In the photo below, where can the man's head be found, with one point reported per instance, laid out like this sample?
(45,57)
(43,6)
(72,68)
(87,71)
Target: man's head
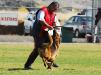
(53,7)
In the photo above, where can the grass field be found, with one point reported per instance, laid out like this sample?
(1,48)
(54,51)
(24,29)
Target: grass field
(73,59)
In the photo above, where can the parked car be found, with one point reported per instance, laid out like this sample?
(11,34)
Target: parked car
(81,24)
(87,12)
(28,23)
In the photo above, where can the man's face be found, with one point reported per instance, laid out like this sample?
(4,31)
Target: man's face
(54,8)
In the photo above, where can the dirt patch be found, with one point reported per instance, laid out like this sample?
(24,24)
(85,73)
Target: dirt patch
(15,38)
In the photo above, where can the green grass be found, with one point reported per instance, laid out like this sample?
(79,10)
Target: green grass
(73,59)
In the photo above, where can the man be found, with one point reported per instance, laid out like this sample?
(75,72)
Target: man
(98,16)
(45,18)
(97,25)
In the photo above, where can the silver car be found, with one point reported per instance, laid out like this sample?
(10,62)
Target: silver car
(81,24)
(28,23)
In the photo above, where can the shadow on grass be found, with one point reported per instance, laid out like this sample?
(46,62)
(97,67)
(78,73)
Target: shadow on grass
(15,69)
(68,69)
(1,73)
(1,68)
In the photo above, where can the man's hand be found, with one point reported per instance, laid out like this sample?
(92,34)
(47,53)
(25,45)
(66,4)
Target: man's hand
(50,27)
(46,24)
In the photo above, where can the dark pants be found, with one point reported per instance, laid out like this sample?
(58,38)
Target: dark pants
(32,57)
(38,42)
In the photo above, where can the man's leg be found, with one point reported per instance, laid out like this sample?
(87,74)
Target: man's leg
(34,53)
(31,58)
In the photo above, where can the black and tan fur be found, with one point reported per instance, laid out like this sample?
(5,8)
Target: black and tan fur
(49,51)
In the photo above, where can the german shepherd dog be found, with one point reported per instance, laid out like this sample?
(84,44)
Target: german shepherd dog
(49,51)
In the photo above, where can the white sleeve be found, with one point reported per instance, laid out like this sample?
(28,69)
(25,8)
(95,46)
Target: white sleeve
(57,21)
(58,24)
(41,15)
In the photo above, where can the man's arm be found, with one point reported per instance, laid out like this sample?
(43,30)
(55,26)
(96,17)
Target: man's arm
(46,24)
(40,18)
(57,23)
